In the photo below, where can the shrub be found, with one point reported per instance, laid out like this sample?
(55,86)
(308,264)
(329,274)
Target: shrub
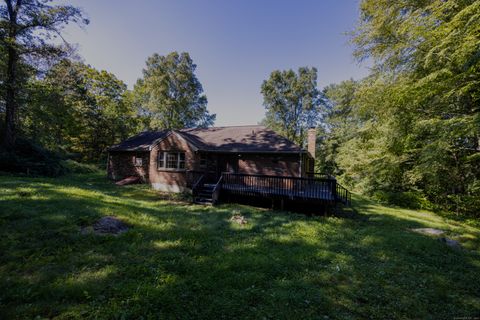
(406,199)
(462,204)
(28,158)
(77,167)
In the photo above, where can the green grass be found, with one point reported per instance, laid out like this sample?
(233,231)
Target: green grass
(189,261)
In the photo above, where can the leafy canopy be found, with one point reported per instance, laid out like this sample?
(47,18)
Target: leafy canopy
(29,33)
(417,116)
(171,94)
(29,26)
(78,109)
(293,102)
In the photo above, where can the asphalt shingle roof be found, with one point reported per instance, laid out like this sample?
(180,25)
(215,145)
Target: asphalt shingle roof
(239,139)
(256,139)
(140,142)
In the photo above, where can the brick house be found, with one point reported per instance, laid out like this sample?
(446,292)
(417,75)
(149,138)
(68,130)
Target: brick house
(171,160)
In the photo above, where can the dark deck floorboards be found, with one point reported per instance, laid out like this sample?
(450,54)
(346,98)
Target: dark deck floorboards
(307,193)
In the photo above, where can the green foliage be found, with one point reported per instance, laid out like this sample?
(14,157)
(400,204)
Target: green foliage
(3,70)
(293,103)
(67,108)
(416,118)
(170,94)
(407,199)
(31,159)
(28,30)
(78,167)
(340,124)
(78,109)
(188,261)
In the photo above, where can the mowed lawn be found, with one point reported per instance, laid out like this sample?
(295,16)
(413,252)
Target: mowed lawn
(183,261)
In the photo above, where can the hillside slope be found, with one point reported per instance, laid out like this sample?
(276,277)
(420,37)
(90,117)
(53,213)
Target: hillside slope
(187,261)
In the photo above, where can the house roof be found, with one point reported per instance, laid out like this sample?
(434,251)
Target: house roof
(140,142)
(239,139)
(254,139)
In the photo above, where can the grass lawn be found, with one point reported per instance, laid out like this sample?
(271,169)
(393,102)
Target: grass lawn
(189,261)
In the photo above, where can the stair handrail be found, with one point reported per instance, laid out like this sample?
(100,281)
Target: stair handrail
(196,184)
(193,176)
(343,194)
(216,190)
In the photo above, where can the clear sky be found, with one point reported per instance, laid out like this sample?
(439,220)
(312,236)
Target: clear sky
(235,43)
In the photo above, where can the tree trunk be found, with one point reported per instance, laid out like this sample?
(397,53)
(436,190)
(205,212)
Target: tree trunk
(11,81)
(11,99)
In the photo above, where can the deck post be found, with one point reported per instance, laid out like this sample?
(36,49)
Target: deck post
(301,164)
(282,204)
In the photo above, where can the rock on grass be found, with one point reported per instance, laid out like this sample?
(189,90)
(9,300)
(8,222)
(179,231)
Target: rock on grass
(107,225)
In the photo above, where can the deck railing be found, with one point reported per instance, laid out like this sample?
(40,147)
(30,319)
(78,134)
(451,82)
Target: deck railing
(342,194)
(196,185)
(216,190)
(281,187)
(284,187)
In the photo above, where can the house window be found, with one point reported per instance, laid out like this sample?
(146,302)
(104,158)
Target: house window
(181,160)
(161,160)
(171,160)
(203,160)
(138,162)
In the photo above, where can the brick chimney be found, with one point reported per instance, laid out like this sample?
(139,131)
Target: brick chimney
(311,140)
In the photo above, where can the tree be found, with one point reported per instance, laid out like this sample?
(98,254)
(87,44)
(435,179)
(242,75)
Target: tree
(2,85)
(171,95)
(26,28)
(421,104)
(292,102)
(78,109)
(340,124)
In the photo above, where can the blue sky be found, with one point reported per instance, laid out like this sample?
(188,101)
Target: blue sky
(236,44)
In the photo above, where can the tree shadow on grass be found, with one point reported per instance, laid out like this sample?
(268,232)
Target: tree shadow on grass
(185,261)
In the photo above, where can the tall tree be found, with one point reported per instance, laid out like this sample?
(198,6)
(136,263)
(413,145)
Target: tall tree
(171,94)
(422,101)
(26,28)
(340,124)
(2,85)
(76,108)
(292,102)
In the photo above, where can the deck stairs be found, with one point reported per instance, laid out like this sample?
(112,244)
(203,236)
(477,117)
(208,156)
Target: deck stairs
(205,194)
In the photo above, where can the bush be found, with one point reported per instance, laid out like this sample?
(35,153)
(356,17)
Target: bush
(406,199)
(77,167)
(28,158)
(462,204)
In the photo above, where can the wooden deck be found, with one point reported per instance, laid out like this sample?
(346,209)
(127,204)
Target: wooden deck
(309,193)
(276,186)
(308,190)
